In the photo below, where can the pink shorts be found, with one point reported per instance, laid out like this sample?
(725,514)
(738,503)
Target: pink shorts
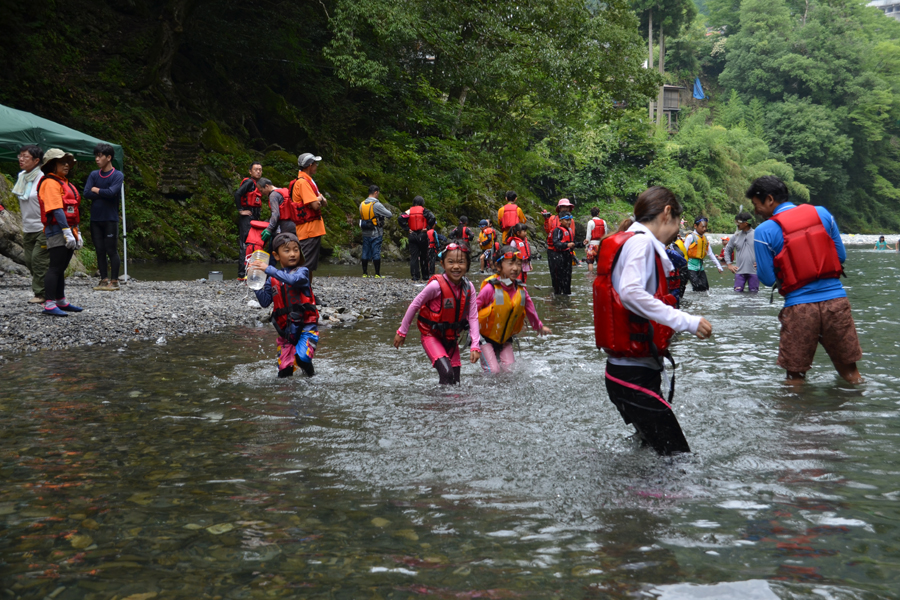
(493,361)
(436,348)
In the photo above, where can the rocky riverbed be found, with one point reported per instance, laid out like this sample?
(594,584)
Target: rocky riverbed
(157,311)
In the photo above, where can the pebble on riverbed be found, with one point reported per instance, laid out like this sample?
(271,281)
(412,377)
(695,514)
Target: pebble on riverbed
(161,310)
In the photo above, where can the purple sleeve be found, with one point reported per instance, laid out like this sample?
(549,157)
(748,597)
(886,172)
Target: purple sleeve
(474,332)
(87,187)
(531,312)
(264,296)
(115,186)
(431,291)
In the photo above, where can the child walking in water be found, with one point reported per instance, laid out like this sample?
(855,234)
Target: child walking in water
(518,239)
(503,305)
(294,316)
(446,307)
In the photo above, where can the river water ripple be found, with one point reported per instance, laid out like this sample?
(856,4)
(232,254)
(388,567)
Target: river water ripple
(189,471)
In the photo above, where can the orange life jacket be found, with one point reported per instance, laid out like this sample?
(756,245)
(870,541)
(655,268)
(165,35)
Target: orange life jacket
(617,330)
(454,314)
(417,218)
(71,202)
(303,213)
(599,229)
(809,253)
(291,307)
(510,216)
(253,198)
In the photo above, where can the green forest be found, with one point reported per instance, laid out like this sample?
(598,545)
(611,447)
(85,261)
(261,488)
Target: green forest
(461,101)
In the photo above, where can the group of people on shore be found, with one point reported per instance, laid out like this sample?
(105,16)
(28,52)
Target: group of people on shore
(51,221)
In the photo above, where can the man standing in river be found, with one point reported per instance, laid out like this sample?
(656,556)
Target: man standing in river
(816,308)
(308,204)
(744,263)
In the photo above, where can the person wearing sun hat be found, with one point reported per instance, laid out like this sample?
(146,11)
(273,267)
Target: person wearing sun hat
(59,201)
(308,203)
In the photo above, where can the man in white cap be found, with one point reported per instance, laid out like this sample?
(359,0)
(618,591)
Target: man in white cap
(309,202)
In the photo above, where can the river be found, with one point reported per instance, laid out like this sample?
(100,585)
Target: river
(189,471)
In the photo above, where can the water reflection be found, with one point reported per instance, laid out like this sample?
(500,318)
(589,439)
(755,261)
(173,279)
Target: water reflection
(188,470)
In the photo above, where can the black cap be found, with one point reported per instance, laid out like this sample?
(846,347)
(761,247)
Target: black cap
(283,238)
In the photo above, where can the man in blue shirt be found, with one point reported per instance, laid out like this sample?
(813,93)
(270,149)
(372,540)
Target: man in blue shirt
(104,187)
(816,308)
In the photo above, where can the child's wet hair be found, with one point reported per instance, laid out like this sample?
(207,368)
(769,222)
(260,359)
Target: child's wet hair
(500,252)
(462,247)
(518,228)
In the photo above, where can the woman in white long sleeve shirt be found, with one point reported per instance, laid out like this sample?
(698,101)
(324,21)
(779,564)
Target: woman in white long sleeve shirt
(631,289)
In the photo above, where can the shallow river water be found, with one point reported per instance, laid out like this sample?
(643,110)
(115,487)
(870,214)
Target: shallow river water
(189,471)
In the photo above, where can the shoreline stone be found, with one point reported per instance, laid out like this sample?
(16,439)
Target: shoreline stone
(155,311)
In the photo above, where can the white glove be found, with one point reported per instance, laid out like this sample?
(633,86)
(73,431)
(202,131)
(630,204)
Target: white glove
(80,241)
(71,242)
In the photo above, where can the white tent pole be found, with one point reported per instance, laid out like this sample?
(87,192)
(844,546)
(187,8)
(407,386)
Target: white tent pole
(124,233)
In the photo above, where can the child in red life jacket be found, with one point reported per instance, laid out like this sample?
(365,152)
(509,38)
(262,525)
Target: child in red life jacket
(446,307)
(294,316)
(436,243)
(503,306)
(518,239)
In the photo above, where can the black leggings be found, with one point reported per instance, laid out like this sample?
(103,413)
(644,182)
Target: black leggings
(560,271)
(699,282)
(55,279)
(653,420)
(106,235)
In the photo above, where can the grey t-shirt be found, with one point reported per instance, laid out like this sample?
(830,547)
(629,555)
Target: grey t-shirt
(380,211)
(744,254)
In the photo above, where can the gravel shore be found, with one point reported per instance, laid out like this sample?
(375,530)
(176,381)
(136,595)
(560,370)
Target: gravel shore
(160,310)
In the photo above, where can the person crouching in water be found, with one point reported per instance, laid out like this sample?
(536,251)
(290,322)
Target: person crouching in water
(294,316)
(446,307)
(634,318)
(518,239)
(503,305)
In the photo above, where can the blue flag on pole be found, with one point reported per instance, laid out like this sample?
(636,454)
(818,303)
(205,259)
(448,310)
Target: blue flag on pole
(698,90)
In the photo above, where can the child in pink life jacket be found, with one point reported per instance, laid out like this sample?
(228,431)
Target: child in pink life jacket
(446,307)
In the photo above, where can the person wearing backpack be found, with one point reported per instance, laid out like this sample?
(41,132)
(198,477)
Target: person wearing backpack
(372,215)
(510,215)
(417,221)
(248,200)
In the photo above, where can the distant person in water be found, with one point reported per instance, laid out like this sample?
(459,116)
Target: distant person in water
(740,246)
(816,309)
(881,244)
(372,214)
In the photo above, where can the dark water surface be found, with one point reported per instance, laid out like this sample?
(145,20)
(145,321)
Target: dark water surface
(189,471)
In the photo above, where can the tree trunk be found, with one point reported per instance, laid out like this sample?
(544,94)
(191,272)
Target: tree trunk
(462,103)
(662,67)
(650,52)
(168,38)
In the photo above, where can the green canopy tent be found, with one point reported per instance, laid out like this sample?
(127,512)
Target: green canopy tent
(19,128)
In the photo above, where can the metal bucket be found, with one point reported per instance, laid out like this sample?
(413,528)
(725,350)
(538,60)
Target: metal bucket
(215,276)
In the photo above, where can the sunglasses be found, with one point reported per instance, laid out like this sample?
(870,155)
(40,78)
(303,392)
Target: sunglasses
(508,255)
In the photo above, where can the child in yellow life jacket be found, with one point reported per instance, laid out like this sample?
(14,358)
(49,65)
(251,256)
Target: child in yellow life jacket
(446,307)
(503,305)
(294,316)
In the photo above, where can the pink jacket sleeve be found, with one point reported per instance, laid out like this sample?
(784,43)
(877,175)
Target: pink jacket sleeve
(474,333)
(485,296)
(431,291)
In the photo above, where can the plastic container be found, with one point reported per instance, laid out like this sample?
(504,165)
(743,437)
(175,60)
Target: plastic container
(214,276)
(256,279)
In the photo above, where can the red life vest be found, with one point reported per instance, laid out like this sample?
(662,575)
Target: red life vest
(523,246)
(552,223)
(303,213)
(433,242)
(617,330)
(71,202)
(564,239)
(253,198)
(809,253)
(454,314)
(465,234)
(510,216)
(290,305)
(286,211)
(417,218)
(599,229)
(254,237)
